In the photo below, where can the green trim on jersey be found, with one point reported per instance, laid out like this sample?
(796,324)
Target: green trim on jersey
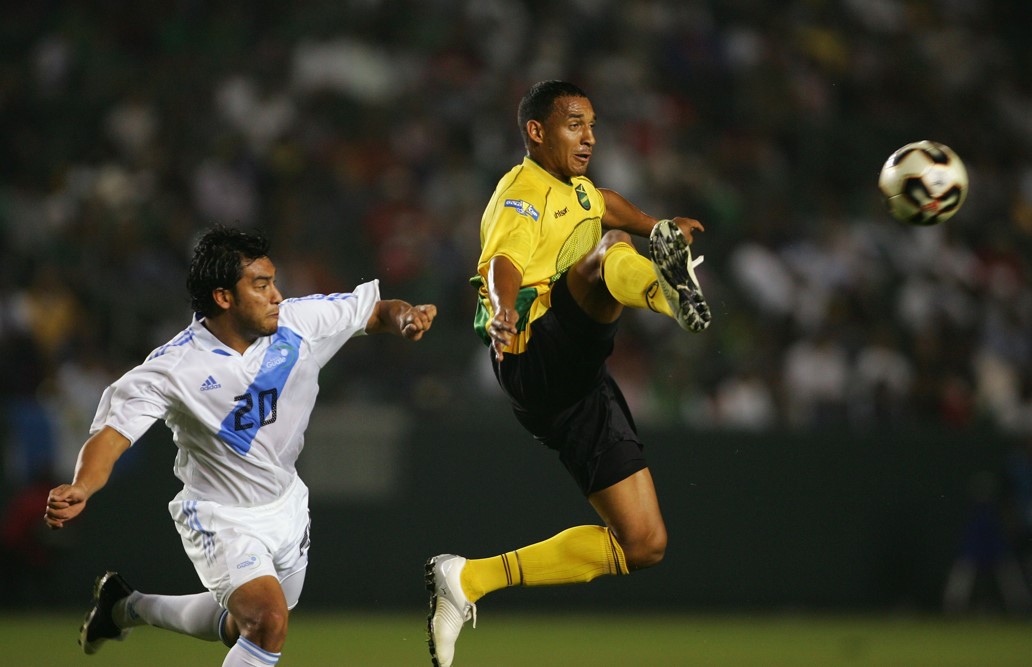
(524,298)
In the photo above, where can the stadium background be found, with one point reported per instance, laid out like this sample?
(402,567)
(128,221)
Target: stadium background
(858,416)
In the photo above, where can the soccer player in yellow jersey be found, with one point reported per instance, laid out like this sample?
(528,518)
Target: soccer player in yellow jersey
(557,268)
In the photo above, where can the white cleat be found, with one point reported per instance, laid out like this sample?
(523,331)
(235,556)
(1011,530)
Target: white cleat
(449,608)
(673,264)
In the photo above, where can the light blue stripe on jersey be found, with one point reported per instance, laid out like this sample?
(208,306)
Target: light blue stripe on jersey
(182,339)
(207,537)
(336,296)
(257,406)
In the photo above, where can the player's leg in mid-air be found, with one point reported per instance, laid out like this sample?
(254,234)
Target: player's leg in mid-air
(665,282)
(251,589)
(259,607)
(118,607)
(634,537)
(630,509)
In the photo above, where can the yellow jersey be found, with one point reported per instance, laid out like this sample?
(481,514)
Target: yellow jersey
(543,226)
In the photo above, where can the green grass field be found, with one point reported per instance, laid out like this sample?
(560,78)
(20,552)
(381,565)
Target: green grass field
(551,640)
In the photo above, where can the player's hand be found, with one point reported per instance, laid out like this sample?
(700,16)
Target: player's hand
(64,503)
(417,320)
(688,226)
(502,330)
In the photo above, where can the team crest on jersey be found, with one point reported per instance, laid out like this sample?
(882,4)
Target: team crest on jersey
(582,197)
(522,207)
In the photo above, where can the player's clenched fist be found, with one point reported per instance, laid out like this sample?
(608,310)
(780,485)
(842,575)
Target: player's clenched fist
(65,502)
(417,321)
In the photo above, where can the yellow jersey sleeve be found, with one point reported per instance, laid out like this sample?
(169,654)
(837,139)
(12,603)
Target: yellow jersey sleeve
(510,228)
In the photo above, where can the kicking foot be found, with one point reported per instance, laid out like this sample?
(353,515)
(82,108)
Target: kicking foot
(672,262)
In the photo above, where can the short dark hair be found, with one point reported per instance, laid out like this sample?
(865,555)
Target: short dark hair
(218,261)
(539,102)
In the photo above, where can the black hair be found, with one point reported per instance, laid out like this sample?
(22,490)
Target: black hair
(218,261)
(539,102)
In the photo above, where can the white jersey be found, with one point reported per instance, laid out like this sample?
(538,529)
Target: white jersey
(238,420)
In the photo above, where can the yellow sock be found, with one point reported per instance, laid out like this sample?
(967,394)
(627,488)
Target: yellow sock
(576,555)
(631,279)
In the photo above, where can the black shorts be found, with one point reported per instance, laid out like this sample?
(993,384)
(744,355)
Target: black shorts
(563,394)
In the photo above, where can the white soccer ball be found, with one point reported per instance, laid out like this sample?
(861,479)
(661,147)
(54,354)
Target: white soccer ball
(923,183)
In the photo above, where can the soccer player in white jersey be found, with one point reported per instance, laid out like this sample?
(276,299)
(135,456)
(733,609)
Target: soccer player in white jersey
(236,388)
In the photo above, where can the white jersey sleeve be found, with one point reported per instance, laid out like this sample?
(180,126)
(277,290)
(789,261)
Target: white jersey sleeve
(137,400)
(327,321)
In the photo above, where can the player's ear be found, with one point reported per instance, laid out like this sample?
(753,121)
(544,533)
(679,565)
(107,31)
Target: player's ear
(223,297)
(536,131)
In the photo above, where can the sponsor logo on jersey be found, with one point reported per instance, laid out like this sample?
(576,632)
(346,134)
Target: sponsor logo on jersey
(522,207)
(251,561)
(582,197)
(210,383)
(272,361)
(559,214)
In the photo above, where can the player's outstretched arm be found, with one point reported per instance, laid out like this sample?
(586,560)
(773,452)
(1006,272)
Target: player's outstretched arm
(401,318)
(625,216)
(96,460)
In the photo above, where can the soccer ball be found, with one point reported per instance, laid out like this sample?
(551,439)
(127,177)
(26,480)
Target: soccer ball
(923,183)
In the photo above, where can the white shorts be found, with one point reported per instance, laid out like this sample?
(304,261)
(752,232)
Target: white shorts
(230,546)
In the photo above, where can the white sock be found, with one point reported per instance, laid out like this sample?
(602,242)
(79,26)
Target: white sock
(195,615)
(248,654)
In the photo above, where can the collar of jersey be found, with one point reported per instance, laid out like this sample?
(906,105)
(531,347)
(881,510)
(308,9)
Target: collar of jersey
(209,342)
(534,166)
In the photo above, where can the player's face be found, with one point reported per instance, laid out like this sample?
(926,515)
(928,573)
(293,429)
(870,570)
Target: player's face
(256,300)
(568,137)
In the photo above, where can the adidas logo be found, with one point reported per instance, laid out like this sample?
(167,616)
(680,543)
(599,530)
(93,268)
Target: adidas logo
(210,384)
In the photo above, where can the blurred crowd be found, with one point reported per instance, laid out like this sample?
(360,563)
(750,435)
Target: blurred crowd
(365,137)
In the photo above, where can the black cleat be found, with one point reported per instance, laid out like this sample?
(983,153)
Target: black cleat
(99,626)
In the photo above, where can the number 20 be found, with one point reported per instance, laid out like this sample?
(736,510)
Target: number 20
(266,409)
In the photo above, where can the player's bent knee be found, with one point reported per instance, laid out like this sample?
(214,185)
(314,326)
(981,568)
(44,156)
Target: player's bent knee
(646,553)
(267,629)
(643,559)
(590,262)
(611,238)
